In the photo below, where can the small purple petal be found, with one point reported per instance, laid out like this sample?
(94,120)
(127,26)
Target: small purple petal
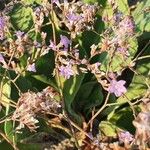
(117,87)
(19,34)
(2,58)
(2,28)
(56,2)
(125,137)
(31,67)
(66,71)
(52,45)
(65,41)
(2,23)
(73,17)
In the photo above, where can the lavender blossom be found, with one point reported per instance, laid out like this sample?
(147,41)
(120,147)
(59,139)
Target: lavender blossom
(1,58)
(65,41)
(56,2)
(2,28)
(126,26)
(117,87)
(79,17)
(52,45)
(125,137)
(66,71)
(72,17)
(19,34)
(31,67)
(123,50)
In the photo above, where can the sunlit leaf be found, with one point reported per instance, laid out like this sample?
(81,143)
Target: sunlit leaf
(21,17)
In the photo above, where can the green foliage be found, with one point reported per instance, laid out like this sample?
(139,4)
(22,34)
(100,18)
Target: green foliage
(32,1)
(21,17)
(142,16)
(69,90)
(83,92)
(89,95)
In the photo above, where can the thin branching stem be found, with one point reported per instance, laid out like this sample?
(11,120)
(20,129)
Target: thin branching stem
(101,109)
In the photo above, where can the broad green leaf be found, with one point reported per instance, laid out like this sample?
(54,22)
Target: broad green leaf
(122,116)
(32,1)
(142,16)
(88,96)
(5,145)
(108,128)
(29,146)
(100,2)
(21,17)
(5,90)
(45,64)
(46,80)
(70,89)
(123,6)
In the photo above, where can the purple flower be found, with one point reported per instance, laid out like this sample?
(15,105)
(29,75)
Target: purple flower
(123,50)
(117,87)
(73,17)
(1,58)
(127,26)
(66,71)
(2,28)
(19,34)
(31,67)
(56,2)
(2,23)
(52,45)
(65,41)
(125,137)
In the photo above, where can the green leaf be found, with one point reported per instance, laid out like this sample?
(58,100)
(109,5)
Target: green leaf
(70,89)
(122,116)
(21,17)
(46,80)
(5,89)
(108,128)
(29,146)
(88,96)
(6,146)
(142,16)
(32,1)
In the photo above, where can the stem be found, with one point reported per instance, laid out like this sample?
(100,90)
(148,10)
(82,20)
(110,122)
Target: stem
(101,109)
(143,57)
(6,138)
(136,58)
(130,103)
(54,39)
(80,129)
(73,132)
(48,23)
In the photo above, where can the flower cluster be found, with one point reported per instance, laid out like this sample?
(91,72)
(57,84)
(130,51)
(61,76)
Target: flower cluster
(67,57)
(30,104)
(78,16)
(125,137)
(117,87)
(38,17)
